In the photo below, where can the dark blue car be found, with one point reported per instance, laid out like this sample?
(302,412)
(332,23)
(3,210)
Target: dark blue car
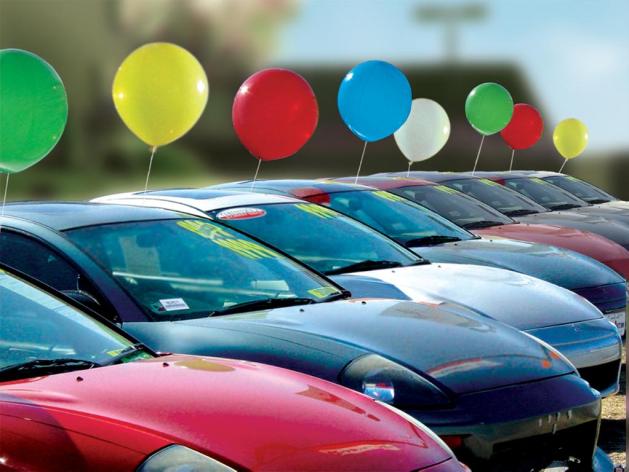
(186,284)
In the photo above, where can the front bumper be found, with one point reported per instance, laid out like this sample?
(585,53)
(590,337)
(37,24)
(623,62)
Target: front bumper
(523,427)
(594,347)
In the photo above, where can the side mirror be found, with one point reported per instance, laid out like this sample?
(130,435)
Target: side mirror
(84,299)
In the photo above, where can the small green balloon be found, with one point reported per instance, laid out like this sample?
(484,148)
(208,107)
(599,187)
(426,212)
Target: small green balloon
(489,108)
(33,109)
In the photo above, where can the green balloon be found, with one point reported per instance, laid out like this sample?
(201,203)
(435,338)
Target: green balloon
(33,109)
(489,108)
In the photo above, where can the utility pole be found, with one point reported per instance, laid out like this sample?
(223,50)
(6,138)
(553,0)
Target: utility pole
(451,17)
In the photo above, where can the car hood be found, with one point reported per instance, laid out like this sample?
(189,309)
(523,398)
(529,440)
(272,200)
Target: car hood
(615,213)
(486,354)
(559,266)
(617,232)
(246,414)
(515,299)
(591,244)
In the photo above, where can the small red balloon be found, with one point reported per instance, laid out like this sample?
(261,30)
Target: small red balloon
(525,128)
(275,113)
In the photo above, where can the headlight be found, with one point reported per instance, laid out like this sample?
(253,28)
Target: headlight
(392,383)
(554,352)
(181,459)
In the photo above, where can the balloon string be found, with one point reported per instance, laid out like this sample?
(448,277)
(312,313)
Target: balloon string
(563,165)
(511,165)
(478,154)
(360,164)
(253,182)
(408,172)
(4,200)
(148,174)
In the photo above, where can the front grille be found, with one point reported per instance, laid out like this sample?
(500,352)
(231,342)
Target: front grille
(601,377)
(576,444)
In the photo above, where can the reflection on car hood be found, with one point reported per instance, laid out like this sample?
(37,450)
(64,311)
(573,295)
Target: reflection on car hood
(516,299)
(584,242)
(258,416)
(559,266)
(461,350)
(617,232)
(616,213)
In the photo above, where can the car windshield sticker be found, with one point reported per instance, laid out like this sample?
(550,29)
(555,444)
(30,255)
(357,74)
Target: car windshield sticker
(538,180)
(174,304)
(227,240)
(389,196)
(445,189)
(316,210)
(241,214)
(490,182)
(322,292)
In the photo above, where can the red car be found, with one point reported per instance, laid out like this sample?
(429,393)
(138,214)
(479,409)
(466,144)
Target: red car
(485,221)
(77,394)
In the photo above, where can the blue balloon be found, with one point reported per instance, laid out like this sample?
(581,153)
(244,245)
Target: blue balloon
(374,100)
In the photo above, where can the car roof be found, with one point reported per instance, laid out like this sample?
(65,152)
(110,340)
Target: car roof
(386,182)
(203,199)
(431,175)
(62,216)
(540,173)
(299,188)
(502,175)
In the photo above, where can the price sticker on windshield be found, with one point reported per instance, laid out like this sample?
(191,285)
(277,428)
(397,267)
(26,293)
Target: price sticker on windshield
(322,292)
(445,189)
(317,210)
(537,180)
(490,182)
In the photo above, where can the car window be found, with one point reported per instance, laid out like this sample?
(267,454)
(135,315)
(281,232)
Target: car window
(453,205)
(581,189)
(394,216)
(496,196)
(35,325)
(316,235)
(187,268)
(545,193)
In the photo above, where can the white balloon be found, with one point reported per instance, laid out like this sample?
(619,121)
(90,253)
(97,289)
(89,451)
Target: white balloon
(425,131)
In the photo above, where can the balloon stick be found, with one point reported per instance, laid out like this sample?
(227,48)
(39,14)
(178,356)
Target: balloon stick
(146,184)
(360,164)
(408,172)
(255,176)
(478,154)
(511,165)
(563,165)
(4,200)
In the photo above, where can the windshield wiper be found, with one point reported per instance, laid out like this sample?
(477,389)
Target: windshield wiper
(430,240)
(263,304)
(364,265)
(597,201)
(342,295)
(47,366)
(564,206)
(482,224)
(125,353)
(520,212)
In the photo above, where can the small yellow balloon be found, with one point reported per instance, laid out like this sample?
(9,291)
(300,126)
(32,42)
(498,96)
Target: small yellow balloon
(160,91)
(570,137)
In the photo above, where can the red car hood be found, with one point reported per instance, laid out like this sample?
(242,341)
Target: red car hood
(597,247)
(245,414)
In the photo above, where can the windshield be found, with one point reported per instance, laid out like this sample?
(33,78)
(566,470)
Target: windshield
(189,268)
(454,205)
(35,326)
(504,200)
(396,216)
(581,189)
(317,236)
(544,193)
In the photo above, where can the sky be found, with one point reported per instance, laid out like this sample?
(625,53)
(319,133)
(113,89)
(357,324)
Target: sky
(575,53)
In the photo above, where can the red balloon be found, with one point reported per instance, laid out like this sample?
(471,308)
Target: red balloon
(275,113)
(525,128)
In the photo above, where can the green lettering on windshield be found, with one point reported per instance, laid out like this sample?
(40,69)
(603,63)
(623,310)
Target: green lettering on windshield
(316,210)
(445,189)
(389,196)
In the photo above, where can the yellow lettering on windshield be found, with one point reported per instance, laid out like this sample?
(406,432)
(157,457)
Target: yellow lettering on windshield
(316,210)
(389,196)
(445,189)
(228,240)
(490,182)
(322,292)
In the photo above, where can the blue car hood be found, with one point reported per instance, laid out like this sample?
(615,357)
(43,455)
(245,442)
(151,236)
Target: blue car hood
(617,232)
(460,351)
(559,266)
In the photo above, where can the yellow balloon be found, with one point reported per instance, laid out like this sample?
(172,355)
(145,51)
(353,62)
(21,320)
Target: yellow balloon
(570,137)
(160,91)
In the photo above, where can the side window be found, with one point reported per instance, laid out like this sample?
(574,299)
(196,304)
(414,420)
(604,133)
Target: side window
(37,260)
